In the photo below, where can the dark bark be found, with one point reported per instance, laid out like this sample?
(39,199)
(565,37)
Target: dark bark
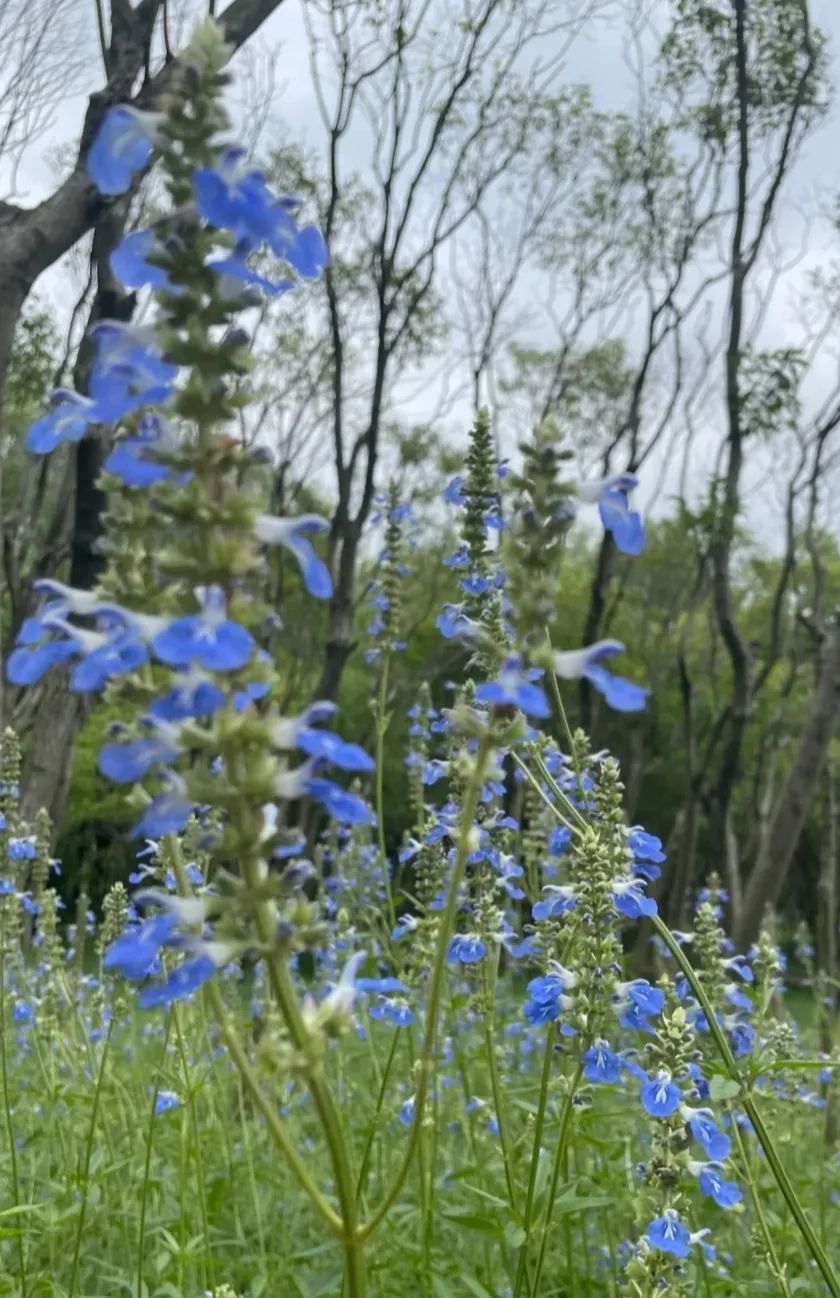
(339,644)
(32,240)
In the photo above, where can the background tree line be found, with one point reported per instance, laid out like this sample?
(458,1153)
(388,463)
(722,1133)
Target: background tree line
(655,278)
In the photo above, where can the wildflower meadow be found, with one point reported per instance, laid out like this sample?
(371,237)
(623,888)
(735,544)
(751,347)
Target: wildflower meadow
(399,1009)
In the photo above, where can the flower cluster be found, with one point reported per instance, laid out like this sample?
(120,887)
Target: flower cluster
(173,630)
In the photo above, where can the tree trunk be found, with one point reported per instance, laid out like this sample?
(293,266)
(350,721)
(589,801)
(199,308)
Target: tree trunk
(30,241)
(779,844)
(48,763)
(827,944)
(339,636)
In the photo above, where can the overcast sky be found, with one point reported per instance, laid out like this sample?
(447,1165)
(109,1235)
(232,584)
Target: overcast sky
(596,59)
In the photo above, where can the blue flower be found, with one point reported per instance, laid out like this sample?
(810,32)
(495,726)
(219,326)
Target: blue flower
(612,494)
(715,1142)
(513,688)
(601,1064)
(236,276)
(102,655)
(395,1010)
(384,986)
(669,1234)
(306,253)
(23,849)
(620,694)
(435,770)
(661,1096)
(67,421)
(167,813)
(26,666)
(133,458)
(725,1193)
(559,840)
(625,523)
(739,965)
(68,599)
(114,656)
(738,998)
(123,145)
(644,846)
(207,638)
(557,900)
(289,532)
(405,924)
(452,621)
(127,763)
(332,748)
(343,806)
(166,1100)
(629,899)
(466,948)
(129,370)
(135,951)
(182,982)
(642,1003)
(234,196)
(129,262)
(194,696)
(454,493)
(547,996)
(742,1036)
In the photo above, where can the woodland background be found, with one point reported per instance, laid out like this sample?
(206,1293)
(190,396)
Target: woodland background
(621,215)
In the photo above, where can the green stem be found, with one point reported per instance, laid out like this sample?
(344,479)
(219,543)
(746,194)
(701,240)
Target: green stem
(74,1268)
(275,1124)
(345,1184)
(755,1194)
(534,782)
(750,1107)
(447,923)
(380,1100)
(252,1175)
(144,1189)
(381,728)
(539,1122)
(555,788)
(559,1162)
(240,1058)
(7,1105)
(495,1084)
(199,1170)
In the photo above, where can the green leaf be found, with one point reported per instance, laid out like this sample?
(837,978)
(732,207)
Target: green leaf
(515,1235)
(573,1203)
(472,1221)
(475,1286)
(723,1088)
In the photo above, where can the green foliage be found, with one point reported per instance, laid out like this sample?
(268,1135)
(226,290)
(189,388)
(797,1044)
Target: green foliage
(786,65)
